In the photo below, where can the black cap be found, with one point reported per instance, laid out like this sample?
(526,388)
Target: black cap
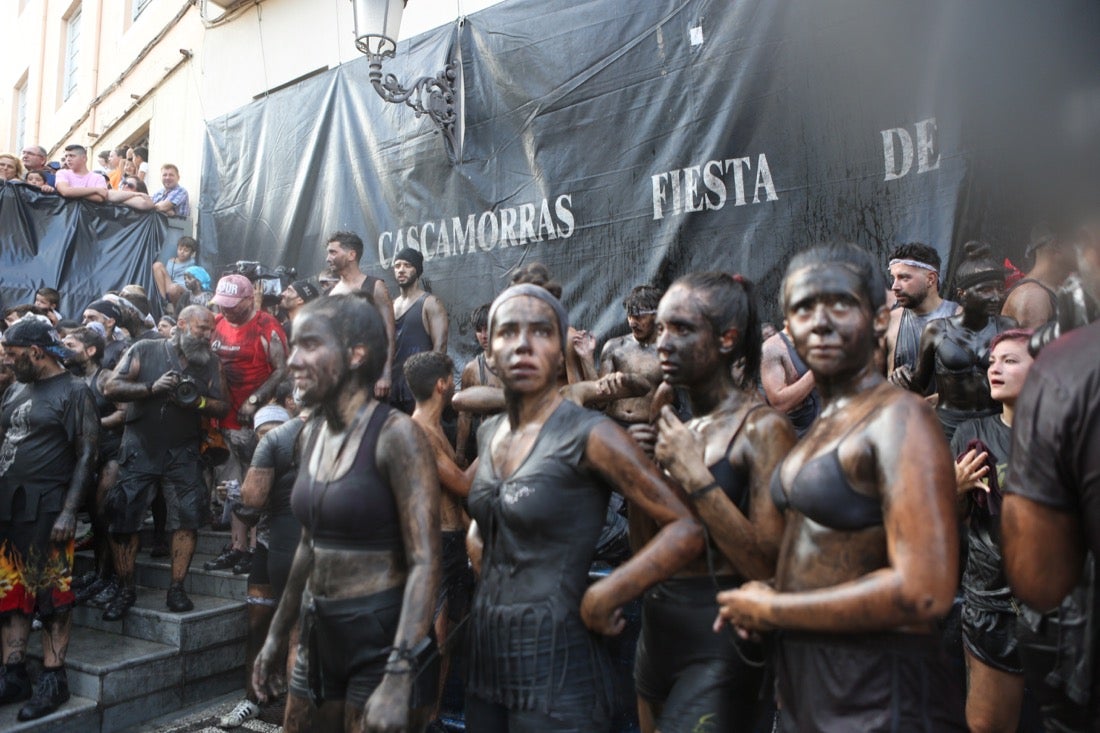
(306,290)
(35,330)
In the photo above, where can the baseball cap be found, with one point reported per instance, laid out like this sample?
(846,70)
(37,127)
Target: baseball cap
(35,330)
(306,290)
(232,289)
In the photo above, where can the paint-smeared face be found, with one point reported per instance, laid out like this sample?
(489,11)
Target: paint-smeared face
(911,285)
(986,297)
(318,363)
(525,345)
(337,258)
(831,320)
(404,272)
(687,345)
(20,360)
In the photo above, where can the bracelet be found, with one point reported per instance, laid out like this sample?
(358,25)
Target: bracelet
(391,669)
(694,495)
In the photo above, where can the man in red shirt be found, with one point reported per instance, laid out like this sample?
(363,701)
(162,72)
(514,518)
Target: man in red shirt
(252,348)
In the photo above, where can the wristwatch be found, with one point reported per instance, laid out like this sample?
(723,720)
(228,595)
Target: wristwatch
(253,400)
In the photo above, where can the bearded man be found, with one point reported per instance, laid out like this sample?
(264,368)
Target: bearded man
(169,385)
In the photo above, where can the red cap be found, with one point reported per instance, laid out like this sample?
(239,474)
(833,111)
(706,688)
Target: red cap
(232,289)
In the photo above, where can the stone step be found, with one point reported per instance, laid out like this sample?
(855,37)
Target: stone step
(207,541)
(157,573)
(111,668)
(133,680)
(213,621)
(79,714)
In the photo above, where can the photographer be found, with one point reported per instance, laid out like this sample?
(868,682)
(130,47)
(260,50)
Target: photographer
(169,385)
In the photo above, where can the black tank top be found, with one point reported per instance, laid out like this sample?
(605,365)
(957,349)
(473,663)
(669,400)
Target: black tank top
(1051,295)
(410,337)
(355,511)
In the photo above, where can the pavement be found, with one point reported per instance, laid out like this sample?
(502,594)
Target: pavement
(203,718)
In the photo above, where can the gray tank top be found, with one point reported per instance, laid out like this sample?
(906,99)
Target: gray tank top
(911,327)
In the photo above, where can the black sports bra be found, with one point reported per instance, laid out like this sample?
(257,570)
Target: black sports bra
(729,480)
(822,492)
(355,511)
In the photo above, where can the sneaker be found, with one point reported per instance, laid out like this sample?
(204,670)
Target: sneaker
(105,595)
(91,590)
(245,710)
(50,691)
(15,684)
(177,599)
(224,561)
(120,605)
(244,565)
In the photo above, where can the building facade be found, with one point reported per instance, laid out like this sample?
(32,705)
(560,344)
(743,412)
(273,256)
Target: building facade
(107,73)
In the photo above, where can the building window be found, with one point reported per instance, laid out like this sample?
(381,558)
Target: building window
(136,7)
(72,51)
(21,116)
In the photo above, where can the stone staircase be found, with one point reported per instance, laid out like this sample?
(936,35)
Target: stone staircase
(154,661)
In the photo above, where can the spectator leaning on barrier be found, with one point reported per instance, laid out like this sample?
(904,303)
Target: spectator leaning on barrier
(171,200)
(10,168)
(34,159)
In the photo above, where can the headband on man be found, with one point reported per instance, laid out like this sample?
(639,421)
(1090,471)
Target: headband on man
(105,307)
(533,291)
(914,263)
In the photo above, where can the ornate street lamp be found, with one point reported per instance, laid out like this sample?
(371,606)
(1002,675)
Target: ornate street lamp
(376,26)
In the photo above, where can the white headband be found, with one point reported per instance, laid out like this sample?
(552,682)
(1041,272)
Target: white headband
(915,263)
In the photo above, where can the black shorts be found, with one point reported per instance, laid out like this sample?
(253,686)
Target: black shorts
(896,683)
(282,542)
(344,646)
(991,637)
(697,678)
(181,481)
(110,442)
(259,574)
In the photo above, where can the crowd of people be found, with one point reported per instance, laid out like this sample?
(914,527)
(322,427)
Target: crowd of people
(879,516)
(119,179)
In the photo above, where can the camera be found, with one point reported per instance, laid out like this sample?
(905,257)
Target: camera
(186,393)
(271,282)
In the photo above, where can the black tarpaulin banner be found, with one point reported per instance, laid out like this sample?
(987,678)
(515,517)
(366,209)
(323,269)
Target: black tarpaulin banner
(623,143)
(80,248)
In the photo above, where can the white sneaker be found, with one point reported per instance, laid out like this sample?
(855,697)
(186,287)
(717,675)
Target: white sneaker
(245,710)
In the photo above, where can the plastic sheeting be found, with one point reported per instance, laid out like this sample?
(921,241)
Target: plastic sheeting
(80,248)
(624,143)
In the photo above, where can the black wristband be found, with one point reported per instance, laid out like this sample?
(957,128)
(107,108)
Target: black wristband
(703,491)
